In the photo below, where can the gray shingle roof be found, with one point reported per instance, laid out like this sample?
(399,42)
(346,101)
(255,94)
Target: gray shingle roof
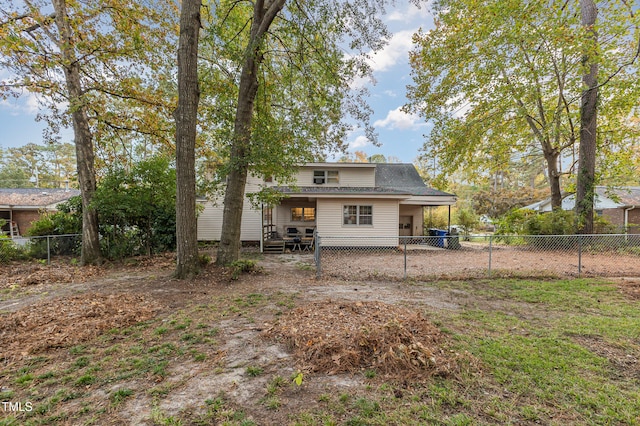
(627,195)
(391,179)
(405,178)
(35,197)
(337,190)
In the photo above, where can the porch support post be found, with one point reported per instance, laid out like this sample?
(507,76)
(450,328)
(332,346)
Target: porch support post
(262,228)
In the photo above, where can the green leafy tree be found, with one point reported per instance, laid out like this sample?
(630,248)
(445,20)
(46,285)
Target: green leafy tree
(93,65)
(285,78)
(13,176)
(505,77)
(47,166)
(468,219)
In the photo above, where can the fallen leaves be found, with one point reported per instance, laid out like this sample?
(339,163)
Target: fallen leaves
(350,337)
(68,321)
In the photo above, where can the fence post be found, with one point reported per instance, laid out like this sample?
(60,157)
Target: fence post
(48,251)
(405,258)
(579,255)
(318,257)
(490,252)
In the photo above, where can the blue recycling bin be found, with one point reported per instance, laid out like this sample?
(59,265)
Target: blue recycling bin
(441,234)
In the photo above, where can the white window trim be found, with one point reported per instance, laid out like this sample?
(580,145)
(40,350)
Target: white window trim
(328,177)
(357,215)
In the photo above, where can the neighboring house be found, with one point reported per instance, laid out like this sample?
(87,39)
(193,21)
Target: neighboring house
(336,199)
(21,206)
(620,206)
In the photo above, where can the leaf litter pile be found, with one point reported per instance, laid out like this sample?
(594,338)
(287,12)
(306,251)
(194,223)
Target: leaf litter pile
(68,321)
(349,337)
(27,274)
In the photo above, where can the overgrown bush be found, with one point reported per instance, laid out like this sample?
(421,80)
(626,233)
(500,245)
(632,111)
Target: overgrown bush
(10,251)
(136,209)
(66,221)
(242,266)
(542,230)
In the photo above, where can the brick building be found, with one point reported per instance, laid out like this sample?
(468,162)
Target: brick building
(21,206)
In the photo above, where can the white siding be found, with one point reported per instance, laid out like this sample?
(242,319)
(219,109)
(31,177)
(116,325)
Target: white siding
(355,177)
(210,220)
(384,228)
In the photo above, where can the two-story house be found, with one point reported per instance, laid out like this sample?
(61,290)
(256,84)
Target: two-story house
(336,199)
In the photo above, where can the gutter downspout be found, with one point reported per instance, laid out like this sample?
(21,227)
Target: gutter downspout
(626,218)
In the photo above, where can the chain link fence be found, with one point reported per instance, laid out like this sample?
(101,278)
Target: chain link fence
(42,247)
(457,257)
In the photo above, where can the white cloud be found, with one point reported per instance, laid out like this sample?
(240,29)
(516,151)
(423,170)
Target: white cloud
(398,119)
(409,13)
(26,104)
(397,51)
(359,142)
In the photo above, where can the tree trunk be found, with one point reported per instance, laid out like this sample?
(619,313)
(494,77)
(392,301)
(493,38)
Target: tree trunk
(229,248)
(83,138)
(551,159)
(585,189)
(186,120)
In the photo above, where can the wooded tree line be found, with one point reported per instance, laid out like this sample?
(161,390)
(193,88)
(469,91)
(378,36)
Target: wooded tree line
(257,87)
(45,166)
(510,81)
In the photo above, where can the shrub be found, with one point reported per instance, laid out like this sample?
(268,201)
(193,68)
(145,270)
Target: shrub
(10,251)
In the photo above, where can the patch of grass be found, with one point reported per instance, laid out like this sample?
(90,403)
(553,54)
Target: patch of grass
(85,380)
(163,349)
(160,331)
(77,350)
(249,300)
(367,407)
(120,395)
(162,390)
(540,352)
(81,362)
(275,384)
(254,371)
(272,402)
(198,356)
(370,374)
(160,418)
(46,375)
(24,379)
(242,266)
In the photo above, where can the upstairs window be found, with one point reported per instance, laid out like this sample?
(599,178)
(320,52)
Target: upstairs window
(321,177)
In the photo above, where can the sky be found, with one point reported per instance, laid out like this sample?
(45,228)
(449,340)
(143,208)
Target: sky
(400,135)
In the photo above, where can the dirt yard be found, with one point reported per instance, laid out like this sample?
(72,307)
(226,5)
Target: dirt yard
(474,260)
(277,322)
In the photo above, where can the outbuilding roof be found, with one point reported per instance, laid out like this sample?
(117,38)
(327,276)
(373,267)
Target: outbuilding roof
(606,198)
(34,197)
